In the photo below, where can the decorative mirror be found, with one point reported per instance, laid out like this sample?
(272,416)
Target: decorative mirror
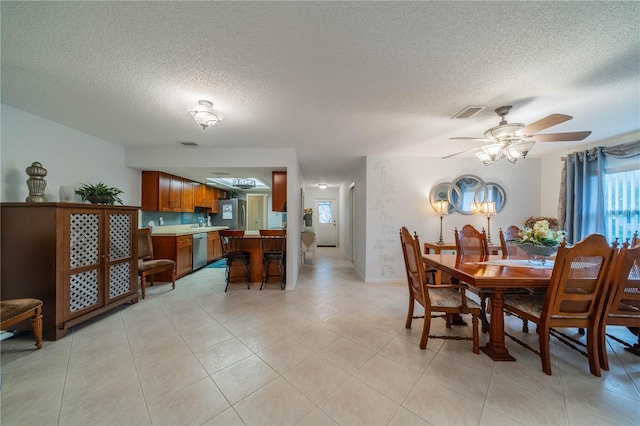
(440,191)
(494,192)
(462,193)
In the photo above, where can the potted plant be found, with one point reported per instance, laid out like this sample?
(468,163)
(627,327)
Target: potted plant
(99,193)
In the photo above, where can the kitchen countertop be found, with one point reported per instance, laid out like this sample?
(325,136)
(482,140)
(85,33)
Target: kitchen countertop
(179,230)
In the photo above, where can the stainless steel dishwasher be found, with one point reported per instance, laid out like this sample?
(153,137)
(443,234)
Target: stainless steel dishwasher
(199,250)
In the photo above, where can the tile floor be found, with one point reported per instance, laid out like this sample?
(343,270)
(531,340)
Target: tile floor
(333,351)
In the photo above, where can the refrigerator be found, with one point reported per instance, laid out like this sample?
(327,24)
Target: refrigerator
(231,213)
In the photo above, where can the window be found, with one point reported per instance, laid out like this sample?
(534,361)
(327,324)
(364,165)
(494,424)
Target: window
(622,203)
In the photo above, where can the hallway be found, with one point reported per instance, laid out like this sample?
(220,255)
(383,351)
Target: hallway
(333,351)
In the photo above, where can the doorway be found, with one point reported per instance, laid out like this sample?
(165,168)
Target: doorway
(327,228)
(256,212)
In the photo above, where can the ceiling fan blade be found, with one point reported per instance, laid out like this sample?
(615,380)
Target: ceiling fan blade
(561,137)
(462,152)
(473,139)
(545,123)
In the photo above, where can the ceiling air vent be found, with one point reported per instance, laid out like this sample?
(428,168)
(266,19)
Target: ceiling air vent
(189,144)
(469,111)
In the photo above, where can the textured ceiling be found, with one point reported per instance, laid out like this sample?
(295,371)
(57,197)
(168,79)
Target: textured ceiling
(334,80)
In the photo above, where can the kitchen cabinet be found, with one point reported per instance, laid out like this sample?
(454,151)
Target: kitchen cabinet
(214,249)
(279,191)
(188,195)
(177,248)
(79,259)
(162,192)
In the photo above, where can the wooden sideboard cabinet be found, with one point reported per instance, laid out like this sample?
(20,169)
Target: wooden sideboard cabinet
(279,191)
(214,249)
(179,249)
(79,259)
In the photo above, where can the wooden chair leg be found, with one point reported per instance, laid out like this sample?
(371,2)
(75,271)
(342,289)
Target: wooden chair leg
(545,356)
(425,330)
(476,339)
(36,321)
(592,352)
(410,313)
(143,284)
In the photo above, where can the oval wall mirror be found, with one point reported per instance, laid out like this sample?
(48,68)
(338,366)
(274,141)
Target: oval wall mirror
(462,193)
(440,191)
(495,192)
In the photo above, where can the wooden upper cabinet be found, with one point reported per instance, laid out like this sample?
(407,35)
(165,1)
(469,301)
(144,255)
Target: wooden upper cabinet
(279,191)
(188,195)
(162,192)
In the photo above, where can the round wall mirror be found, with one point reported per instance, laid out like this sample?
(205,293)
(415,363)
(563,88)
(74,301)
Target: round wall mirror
(494,192)
(440,191)
(462,193)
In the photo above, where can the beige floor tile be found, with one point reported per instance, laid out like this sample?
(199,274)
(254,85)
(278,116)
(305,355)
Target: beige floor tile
(438,405)
(277,403)
(223,355)
(492,418)
(139,417)
(158,382)
(369,337)
(388,377)
(316,337)
(261,337)
(317,418)
(355,403)
(405,353)
(316,378)
(202,338)
(285,355)
(192,405)
(465,373)
(590,402)
(243,378)
(228,417)
(404,417)
(347,355)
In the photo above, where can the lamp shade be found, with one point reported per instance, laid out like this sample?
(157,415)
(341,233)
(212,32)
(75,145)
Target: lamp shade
(442,207)
(205,115)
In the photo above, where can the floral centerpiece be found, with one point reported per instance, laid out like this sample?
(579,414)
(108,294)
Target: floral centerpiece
(539,240)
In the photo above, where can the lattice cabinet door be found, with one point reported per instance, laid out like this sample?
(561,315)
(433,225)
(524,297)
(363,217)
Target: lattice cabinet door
(83,260)
(121,274)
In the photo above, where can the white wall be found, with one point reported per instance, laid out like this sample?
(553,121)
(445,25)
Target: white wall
(70,157)
(397,195)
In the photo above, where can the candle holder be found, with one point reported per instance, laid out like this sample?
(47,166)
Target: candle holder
(442,209)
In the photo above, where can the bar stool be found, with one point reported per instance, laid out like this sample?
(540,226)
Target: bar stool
(237,259)
(273,242)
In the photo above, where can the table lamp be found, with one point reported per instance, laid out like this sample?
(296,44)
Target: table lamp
(488,208)
(442,208)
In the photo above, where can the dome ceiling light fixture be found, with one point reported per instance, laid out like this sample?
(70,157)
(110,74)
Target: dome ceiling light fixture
(205,115)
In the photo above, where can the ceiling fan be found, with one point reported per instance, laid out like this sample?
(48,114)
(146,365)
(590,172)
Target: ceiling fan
(515,140)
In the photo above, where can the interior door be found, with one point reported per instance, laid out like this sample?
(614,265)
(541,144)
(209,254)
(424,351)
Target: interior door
(326,226)
(256,212)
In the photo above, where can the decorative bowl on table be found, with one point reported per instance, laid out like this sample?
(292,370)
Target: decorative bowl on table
(537,252)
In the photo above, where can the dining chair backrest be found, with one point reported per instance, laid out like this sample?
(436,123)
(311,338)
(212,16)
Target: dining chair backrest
(469,241)
(580,275)
(416,274)
(624,294)
(511,233)
(145,244)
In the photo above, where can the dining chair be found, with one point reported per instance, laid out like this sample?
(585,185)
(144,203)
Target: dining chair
(575,297)
(622,307)
(470,241)
(444,298)
(148,266)
(237,258)
(635,240)
(511,233)
(272,243)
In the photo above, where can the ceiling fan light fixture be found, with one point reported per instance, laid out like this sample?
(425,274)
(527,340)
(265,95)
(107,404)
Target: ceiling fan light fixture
(205,115)
(503,131)
(485,158)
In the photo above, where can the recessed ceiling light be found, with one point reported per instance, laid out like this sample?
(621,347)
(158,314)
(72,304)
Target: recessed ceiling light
(189,144)
(322,185)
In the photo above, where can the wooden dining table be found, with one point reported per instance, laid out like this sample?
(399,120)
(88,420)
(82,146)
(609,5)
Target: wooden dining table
(493,273)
